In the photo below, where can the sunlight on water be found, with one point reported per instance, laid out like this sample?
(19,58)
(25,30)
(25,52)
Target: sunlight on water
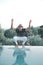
(21,56)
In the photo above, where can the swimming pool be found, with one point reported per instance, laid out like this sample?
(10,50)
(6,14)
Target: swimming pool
(33,55)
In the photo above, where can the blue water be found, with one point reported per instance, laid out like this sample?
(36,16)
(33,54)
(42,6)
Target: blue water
(18,56)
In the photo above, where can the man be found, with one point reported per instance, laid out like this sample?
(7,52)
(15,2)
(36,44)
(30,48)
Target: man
(21,34)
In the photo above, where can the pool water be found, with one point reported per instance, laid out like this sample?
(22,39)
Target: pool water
(33,55)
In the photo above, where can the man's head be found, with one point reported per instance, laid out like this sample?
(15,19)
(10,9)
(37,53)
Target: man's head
(20,27)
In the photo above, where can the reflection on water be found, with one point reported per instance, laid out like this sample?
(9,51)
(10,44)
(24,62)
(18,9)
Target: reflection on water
(1,50)
(20,57)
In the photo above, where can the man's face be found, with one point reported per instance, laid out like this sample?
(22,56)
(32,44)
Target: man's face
(20,28)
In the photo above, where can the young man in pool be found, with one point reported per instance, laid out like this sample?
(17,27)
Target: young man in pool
(21,34)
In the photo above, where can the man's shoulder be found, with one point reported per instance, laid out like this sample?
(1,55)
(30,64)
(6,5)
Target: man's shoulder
(24,29)
(16,30)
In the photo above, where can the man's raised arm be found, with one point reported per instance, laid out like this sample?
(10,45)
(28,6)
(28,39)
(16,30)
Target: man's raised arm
(29,25)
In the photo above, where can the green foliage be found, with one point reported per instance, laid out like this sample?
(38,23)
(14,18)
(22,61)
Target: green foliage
(40,31)
(33,31)
(35,40)
(9,33)
(6,36)
(1,35)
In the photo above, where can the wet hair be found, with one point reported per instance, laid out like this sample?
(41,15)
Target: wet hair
(20,25)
